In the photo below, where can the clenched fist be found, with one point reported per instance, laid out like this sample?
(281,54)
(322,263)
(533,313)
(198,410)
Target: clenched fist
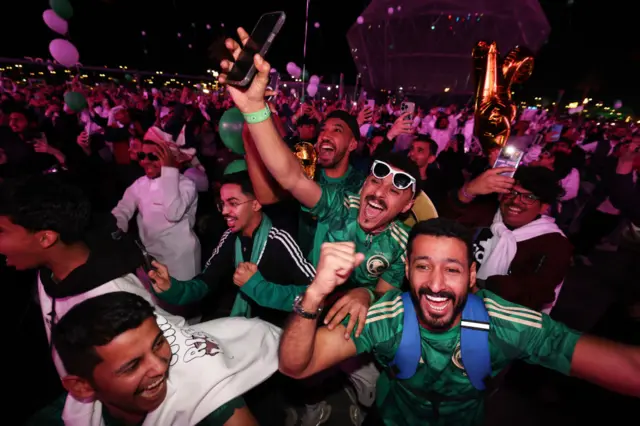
(337,261)
(244,272)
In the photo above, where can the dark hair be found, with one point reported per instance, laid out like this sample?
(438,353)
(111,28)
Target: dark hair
(442,227)
(562,164)
(96,322)
(242,179)
(349,120)
(542,182)
(402,162)
(433,146)
(29,115)
(46,202)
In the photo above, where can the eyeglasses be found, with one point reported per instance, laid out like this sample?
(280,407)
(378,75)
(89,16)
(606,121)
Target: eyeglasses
(232,205)
(527,199)
(151,156)
(401,180)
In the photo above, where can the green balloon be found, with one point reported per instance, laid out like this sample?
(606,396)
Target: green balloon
(116,81)
(236,166)
(128,77)
(230,129)
(75,101)
(62,8)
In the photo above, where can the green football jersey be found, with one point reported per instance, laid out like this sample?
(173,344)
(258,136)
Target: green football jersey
(440,392)
(351,181)
(337,213)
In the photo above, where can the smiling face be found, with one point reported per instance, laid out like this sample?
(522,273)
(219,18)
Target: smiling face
(440,278)
(421,154)
(381,202)
(239,210)
(150,160)
(132,376)
(335,141)
(520,207)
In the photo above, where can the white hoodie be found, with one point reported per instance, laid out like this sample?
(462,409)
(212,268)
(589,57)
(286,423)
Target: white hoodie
(212,363)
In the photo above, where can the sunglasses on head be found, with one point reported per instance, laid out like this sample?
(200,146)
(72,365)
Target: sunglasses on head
(151,156)
(401,180)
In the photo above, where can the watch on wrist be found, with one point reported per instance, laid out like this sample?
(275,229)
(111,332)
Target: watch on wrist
(299,310)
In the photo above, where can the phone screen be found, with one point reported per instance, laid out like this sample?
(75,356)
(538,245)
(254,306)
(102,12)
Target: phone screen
(259,42)
(509,156)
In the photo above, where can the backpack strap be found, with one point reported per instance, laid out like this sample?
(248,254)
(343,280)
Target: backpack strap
(474,341)
(405,363)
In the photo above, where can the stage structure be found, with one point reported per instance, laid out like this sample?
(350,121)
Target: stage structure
(423,47)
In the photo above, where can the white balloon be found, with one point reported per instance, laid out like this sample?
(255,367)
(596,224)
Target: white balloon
(317,25)
(208,26)
(617,104)
(64,52)
(55,22)
(314,79)
(312,89)
(360,20)
(390,11)
(179,35)
(144,33)
(190,46)
(399,8)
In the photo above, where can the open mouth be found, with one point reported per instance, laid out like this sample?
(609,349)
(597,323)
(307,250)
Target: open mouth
(326,148)
(373,209)
(435,304)
(231,221)
(514,210)
(155,388)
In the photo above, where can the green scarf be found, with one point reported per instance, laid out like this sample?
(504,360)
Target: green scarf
(241,307)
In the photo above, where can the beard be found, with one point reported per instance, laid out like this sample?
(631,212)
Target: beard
(446,321)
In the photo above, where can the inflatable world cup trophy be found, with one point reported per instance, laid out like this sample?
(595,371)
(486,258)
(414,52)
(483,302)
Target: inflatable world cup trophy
(307,157)
(494,108)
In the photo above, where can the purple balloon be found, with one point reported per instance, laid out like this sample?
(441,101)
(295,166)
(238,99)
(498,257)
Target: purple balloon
(64,52)
(55,22)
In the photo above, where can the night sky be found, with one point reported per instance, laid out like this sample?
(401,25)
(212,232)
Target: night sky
(593,44)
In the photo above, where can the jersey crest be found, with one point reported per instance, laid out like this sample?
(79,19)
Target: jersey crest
(377,264)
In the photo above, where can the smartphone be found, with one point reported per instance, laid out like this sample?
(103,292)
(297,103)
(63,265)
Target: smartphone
(147,259)
(260,41)
(371,103)
(274,82)
(509,156)
(409,107)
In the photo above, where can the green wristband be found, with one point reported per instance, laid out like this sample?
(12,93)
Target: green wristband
(258,116)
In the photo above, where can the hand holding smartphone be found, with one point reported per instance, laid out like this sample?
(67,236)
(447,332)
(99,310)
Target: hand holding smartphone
(259,42)
(509,156)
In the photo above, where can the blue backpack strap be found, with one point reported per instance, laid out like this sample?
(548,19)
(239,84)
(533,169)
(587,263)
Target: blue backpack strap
(405,363)
(474,341)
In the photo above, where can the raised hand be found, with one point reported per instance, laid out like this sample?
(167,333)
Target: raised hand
(160,278)
(491,181)
(244,272)
(247,99)
(337,261)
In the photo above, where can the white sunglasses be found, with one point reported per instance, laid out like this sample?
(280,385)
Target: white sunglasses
(401,180)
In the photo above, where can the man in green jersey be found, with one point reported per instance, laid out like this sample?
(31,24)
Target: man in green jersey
(368,218)
(441,273)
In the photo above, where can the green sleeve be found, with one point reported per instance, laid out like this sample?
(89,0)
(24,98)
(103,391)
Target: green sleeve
(395,273)
(382,327)
(51,415)
(333,202)
(223,413)
(184,292)
(519,332)
(271,295)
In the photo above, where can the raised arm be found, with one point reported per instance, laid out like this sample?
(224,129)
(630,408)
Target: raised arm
(267,190)
(608,364)
(275,154)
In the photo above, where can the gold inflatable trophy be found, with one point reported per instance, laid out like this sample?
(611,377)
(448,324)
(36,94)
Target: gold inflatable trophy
(494,108)
(308,158)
